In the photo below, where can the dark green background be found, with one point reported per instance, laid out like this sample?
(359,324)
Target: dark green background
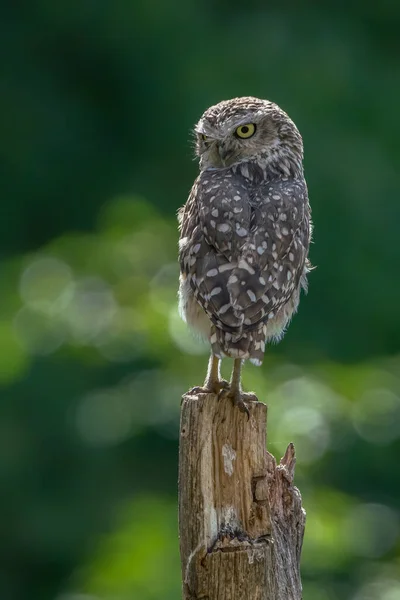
(97,101)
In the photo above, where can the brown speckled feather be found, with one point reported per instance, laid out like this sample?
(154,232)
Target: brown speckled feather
(246,249)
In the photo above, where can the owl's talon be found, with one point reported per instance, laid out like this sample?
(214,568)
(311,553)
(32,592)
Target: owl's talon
(212,388)
(242,406)
(239,399)
(198,390)
(249,397)
(223,385)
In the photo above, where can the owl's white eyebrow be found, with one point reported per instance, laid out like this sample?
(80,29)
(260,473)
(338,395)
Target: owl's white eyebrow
(201,132)
(245,121)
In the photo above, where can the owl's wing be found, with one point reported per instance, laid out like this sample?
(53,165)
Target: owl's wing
(272,261)
(245,254)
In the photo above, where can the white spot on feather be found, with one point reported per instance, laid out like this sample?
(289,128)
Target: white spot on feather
(224,308)
(215,291)
(226,267)
(241,231)
(182,242)
(244,265)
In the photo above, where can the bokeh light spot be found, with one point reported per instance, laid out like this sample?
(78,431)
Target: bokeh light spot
(45,285)
(376,416)
(382,589)
(37,332)
(104,417)
(91,309)
(372,529)
(13,356)
(300,417)
(125,338)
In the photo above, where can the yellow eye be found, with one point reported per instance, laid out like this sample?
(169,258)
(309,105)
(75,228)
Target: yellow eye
(204,137)
(246,131)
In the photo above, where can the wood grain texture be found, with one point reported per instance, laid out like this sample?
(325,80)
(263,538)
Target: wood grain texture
(241,522)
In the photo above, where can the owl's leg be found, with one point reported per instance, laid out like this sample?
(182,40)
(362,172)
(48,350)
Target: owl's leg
(213,376)
(235,392)
(213,383)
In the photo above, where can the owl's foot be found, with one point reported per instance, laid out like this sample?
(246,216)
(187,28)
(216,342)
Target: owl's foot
(235,393)
(211,387)
(213,383)
(239,399)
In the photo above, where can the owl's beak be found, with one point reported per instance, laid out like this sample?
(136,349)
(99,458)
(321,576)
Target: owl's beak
(224,153)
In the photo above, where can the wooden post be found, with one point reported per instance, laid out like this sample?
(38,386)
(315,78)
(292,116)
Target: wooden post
(241,522)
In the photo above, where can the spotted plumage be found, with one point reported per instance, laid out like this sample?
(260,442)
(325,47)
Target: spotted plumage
(245,229)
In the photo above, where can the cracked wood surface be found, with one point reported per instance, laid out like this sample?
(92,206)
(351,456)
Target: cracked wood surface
(241,522)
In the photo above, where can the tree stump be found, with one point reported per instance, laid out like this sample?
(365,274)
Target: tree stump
(241,522)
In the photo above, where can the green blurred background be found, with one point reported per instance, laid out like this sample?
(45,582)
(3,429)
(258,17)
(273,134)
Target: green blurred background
(97,101)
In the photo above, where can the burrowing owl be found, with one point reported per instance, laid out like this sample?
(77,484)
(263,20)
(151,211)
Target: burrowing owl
(244,234)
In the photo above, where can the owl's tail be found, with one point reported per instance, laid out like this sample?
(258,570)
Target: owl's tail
(248,345)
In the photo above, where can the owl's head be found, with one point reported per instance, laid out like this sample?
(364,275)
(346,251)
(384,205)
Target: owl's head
(244,129)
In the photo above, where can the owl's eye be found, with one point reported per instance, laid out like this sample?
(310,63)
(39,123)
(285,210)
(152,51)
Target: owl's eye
(245,131)
(204,137)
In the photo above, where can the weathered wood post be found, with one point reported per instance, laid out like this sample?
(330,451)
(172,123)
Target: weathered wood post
(241,521)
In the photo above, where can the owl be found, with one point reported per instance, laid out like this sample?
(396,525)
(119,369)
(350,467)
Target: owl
(244,235)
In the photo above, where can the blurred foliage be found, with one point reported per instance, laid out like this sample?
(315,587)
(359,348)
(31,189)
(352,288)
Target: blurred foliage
(97,100)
